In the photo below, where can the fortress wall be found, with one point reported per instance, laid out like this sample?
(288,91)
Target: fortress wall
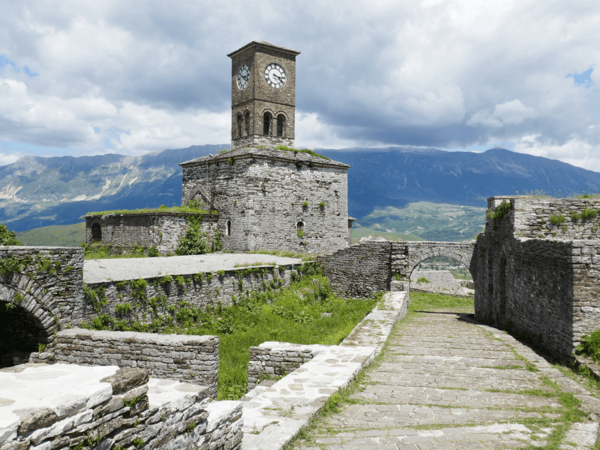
(530,217)
(122,232)
(360,270)
(164,301)
(194,359)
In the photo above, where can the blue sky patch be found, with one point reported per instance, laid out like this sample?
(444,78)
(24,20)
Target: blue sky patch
(582,78)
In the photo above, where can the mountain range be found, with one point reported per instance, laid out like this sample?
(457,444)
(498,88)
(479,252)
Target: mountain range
(37,191)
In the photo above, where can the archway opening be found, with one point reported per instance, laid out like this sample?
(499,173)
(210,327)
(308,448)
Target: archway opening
(442,275)
(300,228)
(267,119)
(280,125)
(239,126)
(96,233)
(21,333)
(247,123)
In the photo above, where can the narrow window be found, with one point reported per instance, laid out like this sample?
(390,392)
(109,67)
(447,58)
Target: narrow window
(239,126)
(280,125)
(267,123)
(96,233)
(300,229)
(228,228)
(247,123)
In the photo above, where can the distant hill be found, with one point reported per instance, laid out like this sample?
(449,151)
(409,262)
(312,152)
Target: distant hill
(37,192)
(54,235)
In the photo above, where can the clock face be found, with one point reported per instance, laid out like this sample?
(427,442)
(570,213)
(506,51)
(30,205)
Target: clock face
(243,76)
(275,76)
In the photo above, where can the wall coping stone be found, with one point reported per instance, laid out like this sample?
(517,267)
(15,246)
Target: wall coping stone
(137,337)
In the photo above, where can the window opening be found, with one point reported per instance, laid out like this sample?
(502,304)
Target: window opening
(280,125)
(239,126)
(228,228)
(247,124)
(96,233)
(267,123)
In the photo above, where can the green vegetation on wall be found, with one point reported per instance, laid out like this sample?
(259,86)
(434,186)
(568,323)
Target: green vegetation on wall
(8,237)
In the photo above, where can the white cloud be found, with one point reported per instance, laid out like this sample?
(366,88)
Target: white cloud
(139,76)
(509,113)
(575,151)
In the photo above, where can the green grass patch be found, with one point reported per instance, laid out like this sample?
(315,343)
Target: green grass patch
(284,254)
(590,345)
(304,150)
(461,274)
(420,301)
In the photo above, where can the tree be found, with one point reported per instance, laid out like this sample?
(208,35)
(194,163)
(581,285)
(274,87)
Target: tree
(8,237)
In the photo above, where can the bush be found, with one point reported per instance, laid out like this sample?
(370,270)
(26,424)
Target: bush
(300,233)
(575,216)
(193,242)
(501,211)
(8,237)
(423,280)
(588,213)
(557,219)
(590,345)
(153,252)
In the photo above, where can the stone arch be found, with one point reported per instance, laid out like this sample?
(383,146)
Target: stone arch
(281,124)
(267,116)
(417,253)
(26,318)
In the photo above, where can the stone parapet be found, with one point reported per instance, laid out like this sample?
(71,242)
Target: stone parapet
(107,407)
(194,359)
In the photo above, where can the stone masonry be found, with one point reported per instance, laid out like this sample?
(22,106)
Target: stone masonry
(272,199)
(539,279)
(194,359)
(123,232)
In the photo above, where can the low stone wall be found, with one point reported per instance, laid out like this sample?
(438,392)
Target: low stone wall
(122,232)
(107,407)
(194,359)
(273,363)
(153,303)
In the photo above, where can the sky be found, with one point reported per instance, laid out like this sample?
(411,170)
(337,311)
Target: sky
(93,77)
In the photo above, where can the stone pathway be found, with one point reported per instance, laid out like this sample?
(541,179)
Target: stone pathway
(446,382)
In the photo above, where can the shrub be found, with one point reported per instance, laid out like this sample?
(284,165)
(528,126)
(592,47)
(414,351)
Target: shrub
(305,204)
(501,211)
(180,281)
(575,216)
(590,345)
(231,161)
(221,273)
(557,219)
(588,213)
(153,252)
(423,280)
(8,237)
(322,205)
(300,233)
(123,308)
(193,242)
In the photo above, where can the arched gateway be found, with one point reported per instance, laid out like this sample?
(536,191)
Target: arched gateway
(364,269)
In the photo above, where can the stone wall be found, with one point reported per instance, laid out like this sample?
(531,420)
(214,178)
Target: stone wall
(153,303)
(40,287)
(545,289)
(123,232)
(194,359)
(268,363)
(266,193)
(107,407)
(438,282)
(367,268)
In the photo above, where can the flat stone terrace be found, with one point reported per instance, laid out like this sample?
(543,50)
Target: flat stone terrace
(101,270)
(446,382)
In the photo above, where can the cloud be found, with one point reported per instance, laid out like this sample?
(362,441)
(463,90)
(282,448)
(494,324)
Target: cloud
(139,76)
(509,113)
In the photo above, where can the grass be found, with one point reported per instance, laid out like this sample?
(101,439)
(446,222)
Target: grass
(98,251)
(290,315)
(161,209)
(461,274)
(304,150)
(54,235)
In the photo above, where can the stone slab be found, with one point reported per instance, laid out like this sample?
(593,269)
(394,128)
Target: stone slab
(101,270)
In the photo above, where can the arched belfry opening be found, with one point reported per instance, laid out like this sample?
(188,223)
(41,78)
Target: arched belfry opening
(239,126)
(267,119)
(280,125)
(96,233)
(247,123)
(442,275)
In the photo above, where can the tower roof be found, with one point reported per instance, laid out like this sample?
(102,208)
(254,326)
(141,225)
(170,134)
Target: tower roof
(265,45)
(292,156)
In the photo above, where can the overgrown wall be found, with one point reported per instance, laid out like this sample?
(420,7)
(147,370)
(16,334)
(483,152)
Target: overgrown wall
(40,287)
(122,232)
(154,303)
(194,359)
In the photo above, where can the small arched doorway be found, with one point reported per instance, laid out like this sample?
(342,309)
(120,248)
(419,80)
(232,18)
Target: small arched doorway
(96,233)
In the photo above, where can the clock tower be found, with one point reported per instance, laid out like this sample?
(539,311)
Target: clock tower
(263,95)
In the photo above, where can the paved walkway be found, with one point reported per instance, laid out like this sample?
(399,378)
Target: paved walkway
(445,382)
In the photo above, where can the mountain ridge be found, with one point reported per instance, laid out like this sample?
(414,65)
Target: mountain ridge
(40,191)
